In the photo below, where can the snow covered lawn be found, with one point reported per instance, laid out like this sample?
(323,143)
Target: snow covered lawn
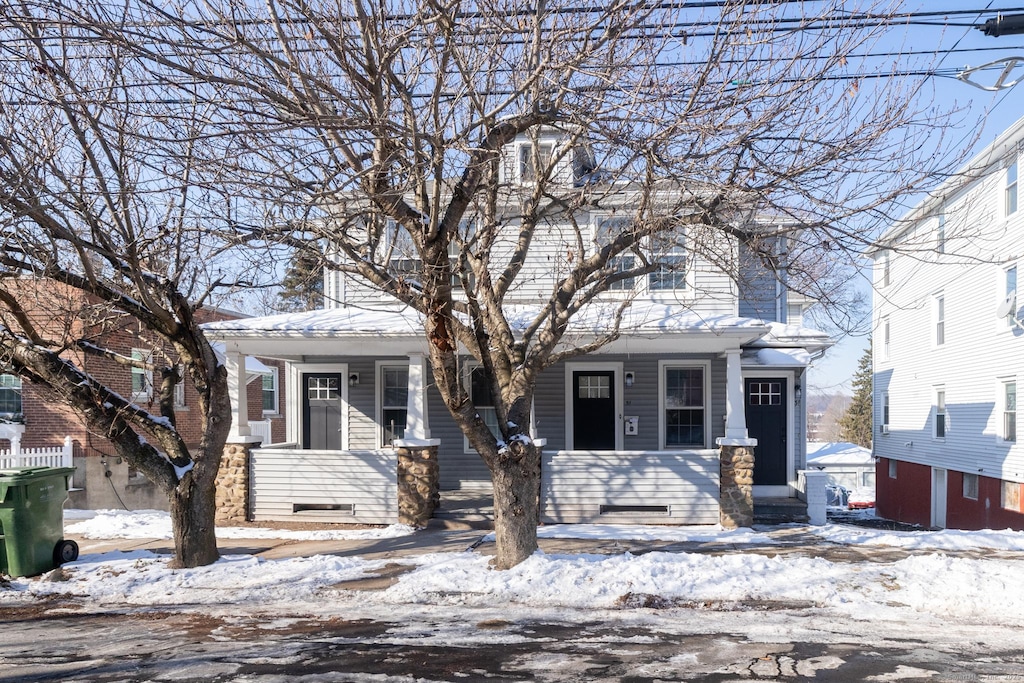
(932,579)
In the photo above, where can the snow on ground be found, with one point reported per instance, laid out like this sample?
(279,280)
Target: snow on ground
(977,590)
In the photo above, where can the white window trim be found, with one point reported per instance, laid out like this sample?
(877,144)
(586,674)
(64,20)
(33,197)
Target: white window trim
(689,283)
(1007,185)
(570,368)
(683,363)
(935,413)
(277,390)
(886,336)
(882,417)
(179,389)
(145,355)
(518,169)
(1005,324)
(1001,383)
(939,317)
(639,283)
(378,398)
(293,422)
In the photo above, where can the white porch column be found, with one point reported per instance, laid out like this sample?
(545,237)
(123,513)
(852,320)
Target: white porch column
(735,416)
(235,364)
(417,424)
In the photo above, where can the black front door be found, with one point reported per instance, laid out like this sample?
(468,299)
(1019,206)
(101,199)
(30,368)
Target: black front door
(593,410)
(767,422)
(321,411)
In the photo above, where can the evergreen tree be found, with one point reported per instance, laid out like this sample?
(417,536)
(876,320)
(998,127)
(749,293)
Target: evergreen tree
(856,424)
(302,288)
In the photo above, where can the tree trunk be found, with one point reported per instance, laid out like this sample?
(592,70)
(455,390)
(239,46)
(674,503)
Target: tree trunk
(516,477)
(193,512)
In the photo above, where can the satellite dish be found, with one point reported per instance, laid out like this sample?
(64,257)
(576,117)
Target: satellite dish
(1007,307)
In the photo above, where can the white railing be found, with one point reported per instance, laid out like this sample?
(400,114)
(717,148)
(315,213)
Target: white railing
(56,456)
(261,429)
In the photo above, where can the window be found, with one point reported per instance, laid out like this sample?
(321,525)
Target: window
(606,228)
(886,269)
(1008,403)
(480,393)
(940,413)
(684,406)
(394,402)
(939,308)
(10,396)
(892,469)
(671,273)
(179,388)
(1011,188)
(1010,292)
(527,168)
(269,381)
(940,234)
(1010,498)
(885,412)
(142,375)
(971,486)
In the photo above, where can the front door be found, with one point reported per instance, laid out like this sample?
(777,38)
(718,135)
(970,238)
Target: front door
(593,410)
(321,411)
(767,421)
(938,498)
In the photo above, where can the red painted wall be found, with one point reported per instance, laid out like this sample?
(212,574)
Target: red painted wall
(984,513)
(908,497)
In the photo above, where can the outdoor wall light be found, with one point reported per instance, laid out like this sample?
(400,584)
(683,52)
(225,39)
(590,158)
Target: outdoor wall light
(353,379)
(629,379)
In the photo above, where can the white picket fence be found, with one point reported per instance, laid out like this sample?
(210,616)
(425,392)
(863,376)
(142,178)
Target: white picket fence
(57,456)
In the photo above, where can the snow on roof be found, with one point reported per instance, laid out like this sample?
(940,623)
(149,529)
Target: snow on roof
(776,357)
(641,317)
(825,453)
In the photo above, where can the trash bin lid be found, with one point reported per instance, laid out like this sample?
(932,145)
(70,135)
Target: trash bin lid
(21,475)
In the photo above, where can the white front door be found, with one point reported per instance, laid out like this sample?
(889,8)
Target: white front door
(938,498)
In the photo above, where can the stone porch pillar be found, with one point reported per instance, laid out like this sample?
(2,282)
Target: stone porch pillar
(736,457)
(232,496)
(419,478)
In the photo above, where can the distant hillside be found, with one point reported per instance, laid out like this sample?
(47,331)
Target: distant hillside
(823,414)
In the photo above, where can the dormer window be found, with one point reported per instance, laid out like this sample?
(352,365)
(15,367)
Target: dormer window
(530,167)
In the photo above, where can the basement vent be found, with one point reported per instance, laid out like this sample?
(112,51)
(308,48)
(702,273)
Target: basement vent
(324,507)
(636,509)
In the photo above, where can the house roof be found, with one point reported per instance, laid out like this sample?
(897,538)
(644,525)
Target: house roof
(825,454)
(647,327)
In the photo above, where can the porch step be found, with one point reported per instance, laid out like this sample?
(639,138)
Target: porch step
(464,509)
(780,511)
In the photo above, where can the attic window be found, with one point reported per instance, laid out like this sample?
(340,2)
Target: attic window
(527,168)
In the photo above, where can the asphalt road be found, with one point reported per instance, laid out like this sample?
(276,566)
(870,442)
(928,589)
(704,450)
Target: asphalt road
(60,641)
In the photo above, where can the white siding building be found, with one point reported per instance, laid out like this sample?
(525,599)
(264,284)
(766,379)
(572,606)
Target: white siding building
(949,350)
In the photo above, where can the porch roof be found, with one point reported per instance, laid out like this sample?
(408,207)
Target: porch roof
(646,327)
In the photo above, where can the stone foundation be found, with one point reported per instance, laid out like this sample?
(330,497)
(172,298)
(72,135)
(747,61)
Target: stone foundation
(419,480)
(736,488)
(233,484)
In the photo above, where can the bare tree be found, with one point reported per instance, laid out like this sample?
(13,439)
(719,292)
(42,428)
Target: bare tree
(105,214)
(385,129)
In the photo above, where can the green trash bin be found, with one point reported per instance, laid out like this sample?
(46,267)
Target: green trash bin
(32,520)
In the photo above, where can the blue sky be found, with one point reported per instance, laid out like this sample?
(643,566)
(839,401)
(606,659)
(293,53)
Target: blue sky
(957,47)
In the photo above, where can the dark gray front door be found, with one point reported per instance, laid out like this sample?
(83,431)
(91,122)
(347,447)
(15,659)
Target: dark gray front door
(767,422)
(593,410)
(321,411)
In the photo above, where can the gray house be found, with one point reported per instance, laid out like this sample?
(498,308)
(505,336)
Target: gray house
(629,434)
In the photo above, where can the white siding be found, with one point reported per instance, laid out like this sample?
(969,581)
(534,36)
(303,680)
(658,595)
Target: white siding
(289,485)
(667,487)
(980,350)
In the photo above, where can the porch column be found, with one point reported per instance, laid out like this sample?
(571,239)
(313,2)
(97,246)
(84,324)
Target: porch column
(235,364)
(419,477)
(736,455)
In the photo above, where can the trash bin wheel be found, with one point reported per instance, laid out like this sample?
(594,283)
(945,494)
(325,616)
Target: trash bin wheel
(65,551)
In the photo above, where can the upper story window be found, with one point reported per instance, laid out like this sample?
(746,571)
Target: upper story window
(531,165)
(939,311)
(10,396)
(885,338)
(1011,188)
(606,228)
(940,234)
(142,376)
(671,255)
(940,413)
(1008,406)
(886,269)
